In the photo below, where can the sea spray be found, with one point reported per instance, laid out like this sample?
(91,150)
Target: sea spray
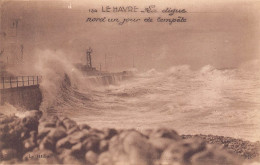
(208,100)
(218,100)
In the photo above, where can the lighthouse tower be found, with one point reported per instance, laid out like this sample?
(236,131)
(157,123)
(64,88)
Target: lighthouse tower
(88,57)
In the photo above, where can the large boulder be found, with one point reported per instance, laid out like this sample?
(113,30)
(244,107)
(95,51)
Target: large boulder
(91,157)
(7,154)
(109,133)
(68,123)
(181,152)
(91,144)
(57,134)
(64,143)
(70,140)
(213,155)
(129,148)
(196,152)
(160,144)
(31,142)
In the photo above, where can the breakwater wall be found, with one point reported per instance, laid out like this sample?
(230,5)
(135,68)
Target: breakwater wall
(28,97)
(110,78)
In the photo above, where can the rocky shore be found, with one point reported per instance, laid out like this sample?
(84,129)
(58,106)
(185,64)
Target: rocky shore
(36,139)
(244,149)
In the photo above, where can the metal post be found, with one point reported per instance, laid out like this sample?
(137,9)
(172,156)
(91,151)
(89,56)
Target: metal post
(2,93)
(11,82)
(3,78)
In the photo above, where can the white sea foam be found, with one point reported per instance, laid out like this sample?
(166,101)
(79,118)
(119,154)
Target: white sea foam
(208,101)
(10,110)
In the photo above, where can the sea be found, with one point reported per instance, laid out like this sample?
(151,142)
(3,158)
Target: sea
(224,102)
(207,100)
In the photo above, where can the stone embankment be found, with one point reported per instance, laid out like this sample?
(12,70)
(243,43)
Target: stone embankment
(52,140)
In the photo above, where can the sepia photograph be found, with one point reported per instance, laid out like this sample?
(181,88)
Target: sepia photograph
(130,82)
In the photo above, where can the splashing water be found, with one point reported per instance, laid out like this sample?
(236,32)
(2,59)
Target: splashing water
(206,101)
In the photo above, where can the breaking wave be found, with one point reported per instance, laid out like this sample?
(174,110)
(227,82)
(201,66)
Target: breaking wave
(204,101)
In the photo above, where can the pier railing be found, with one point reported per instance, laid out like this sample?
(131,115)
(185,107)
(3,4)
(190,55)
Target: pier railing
(19,81)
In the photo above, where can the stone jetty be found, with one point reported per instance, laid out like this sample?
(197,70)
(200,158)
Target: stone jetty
(36,139)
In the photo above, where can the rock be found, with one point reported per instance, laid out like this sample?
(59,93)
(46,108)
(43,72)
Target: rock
(91,157)
(42,119)
(78,151)
(8,154)
(109,133)
(47,144)
(46,122)
(132,147)
(7,119)
(54,118)
(11,131)
(97,133)
(181,152)
(242,148)
(59,124)
(72,160)
(165,133)
(49,124)
(57,134)
(103,145)
(29,144)
(214,156)
(79,136)
(25,134)
(147,132)
(11,161)
(73,129)
(33,135)
(1,145)
(139,150)
(30,122)
(64,154)
(67,157)
(105,159)
(91,143)
(44,132)
(160,144)
(71,140)
(64,143)
(84,126)
(68,123)
(4,128)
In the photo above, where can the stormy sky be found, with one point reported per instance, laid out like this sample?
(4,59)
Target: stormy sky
(224,34)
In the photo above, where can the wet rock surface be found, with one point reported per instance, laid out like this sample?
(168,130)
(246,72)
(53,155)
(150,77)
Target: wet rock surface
(53,140)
